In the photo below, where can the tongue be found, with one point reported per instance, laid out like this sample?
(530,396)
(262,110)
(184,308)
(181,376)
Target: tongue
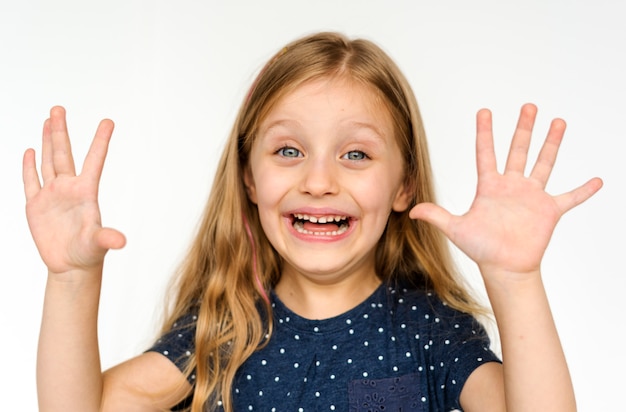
(320,227)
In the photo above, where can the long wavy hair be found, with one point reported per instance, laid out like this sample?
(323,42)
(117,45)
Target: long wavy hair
(228,271)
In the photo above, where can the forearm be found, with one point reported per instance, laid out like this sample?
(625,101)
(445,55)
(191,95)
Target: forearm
(69,375)
(536,376)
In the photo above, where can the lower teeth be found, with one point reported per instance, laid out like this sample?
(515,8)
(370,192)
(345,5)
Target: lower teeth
(299,226)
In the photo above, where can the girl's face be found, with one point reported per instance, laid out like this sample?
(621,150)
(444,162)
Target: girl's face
(325,172)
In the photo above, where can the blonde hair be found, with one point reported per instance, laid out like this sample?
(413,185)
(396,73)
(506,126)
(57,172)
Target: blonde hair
(217,278)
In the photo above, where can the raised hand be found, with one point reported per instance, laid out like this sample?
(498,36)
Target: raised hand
(63,212)
(511,220)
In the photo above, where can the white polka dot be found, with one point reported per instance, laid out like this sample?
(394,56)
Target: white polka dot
(296,365)
(365,374)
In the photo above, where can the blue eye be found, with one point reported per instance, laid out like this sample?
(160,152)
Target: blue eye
(289,152)
(355,155)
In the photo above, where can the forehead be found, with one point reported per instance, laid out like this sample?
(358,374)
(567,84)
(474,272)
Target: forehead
(331,98)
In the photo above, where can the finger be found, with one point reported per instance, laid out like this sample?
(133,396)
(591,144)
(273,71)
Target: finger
(518,152)
(433,214)
(94,161)
(32,185)
(47,160)
(108,238)
(485,154)
(61,148)
(569,200)
(547,156)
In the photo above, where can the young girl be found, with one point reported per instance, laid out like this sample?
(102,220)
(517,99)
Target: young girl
(319,279)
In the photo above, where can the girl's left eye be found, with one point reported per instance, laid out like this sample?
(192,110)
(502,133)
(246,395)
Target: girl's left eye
(355,155)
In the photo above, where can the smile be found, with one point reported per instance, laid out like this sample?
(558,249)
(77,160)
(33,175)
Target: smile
(331,225)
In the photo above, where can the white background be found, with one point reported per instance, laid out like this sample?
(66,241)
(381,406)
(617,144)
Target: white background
(172,74)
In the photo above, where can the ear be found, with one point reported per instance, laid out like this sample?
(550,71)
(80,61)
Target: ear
(248,181)
(403,199)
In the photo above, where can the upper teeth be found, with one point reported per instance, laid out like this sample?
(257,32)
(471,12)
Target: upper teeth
(323,219)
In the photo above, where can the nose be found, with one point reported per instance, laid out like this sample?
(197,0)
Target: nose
(319,177)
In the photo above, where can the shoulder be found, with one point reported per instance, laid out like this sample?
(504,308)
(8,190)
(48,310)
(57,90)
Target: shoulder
(424,312)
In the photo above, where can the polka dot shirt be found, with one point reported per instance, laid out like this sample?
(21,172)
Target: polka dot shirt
(398,350)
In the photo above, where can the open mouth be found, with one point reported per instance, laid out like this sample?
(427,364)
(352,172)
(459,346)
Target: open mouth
(329,225)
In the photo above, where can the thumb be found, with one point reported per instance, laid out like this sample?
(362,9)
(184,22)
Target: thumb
(431,213)
(108,238)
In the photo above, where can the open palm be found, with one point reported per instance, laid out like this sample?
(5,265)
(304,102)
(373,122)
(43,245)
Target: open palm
(63,213)
(510,222)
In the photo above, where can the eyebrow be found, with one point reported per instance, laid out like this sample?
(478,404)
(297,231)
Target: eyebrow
(351,123)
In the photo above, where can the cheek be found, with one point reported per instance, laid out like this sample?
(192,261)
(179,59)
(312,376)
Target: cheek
(378,192)
(269,188)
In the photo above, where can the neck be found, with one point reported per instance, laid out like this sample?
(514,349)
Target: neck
(315,300)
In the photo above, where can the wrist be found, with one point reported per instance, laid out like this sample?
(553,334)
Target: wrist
(76,276)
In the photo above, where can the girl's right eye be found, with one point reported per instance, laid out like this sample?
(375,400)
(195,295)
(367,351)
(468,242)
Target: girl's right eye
(289,152)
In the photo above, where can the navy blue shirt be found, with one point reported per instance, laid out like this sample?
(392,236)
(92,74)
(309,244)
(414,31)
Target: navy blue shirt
(399,350)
